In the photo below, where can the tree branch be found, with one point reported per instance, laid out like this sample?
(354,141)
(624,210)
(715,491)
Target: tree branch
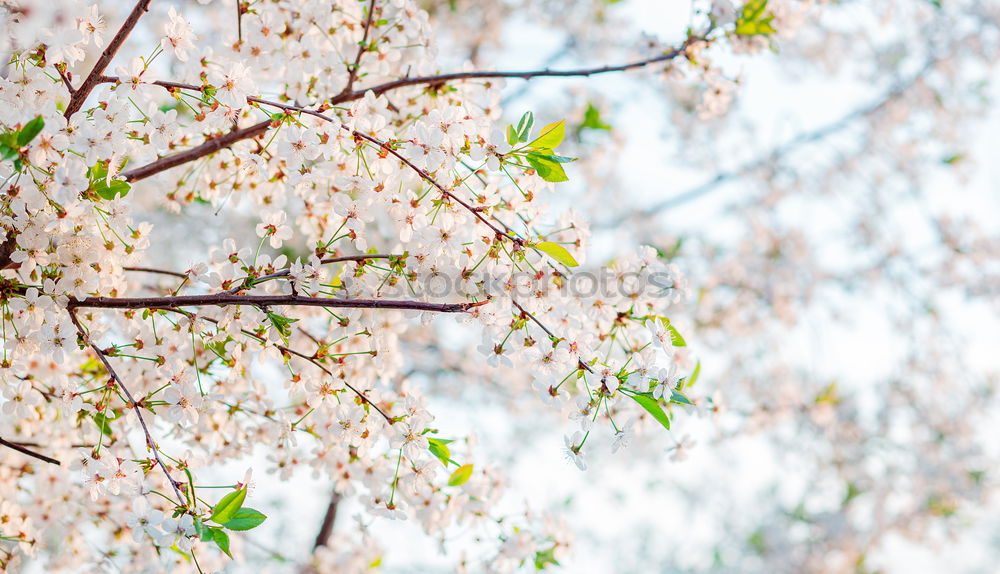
(262,301)
(215,144)
(551,335)
(157,271)
(85,337)
(526,75)
(329,519)
(209,147)
(31,453)
(286,271)
(352,71)
(92,79)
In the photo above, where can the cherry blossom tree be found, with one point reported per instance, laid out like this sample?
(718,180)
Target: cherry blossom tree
(251,240)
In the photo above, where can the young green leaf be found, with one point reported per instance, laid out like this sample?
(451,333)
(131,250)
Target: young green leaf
(109,192)
(439,448)
(103,424)
(99,183)
(679,398)
(547,167)
(754,21)
(545,557)
(461,475)
(29,131)
(511,135)
(551,136)
(592,119)
(652,407)
(245,519)
(226,509)
(8,152)
(694,375)
(203,531)
(221,540)
(557,252)
(524,126)
(675,336)
(281,323)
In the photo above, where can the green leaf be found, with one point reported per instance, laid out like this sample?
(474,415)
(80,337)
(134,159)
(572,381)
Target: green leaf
(547,168)
(461,475)
(8,152)
(557,252)
(439,448)
(694,375)
(647,402)
(29,131)
(551,136)
(511,135)
(592,119)
(524,126)
(680,399)
(221,540)
(545,557)
(226,509)
(203,531)
(754,21)
(103,423)
(245,519)
(99,183)
(281,323)
(675,336)
(109,192)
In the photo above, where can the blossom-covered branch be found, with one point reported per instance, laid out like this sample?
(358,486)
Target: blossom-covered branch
(263,301)
(79,96)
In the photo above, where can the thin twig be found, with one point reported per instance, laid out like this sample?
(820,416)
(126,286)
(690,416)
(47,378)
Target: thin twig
(239,21)
(546,329)
(61,68)
(526,75)
(154,270)
(94,77)
(132,402)
(286,271)
(285,349)
(21,449)
(352,72)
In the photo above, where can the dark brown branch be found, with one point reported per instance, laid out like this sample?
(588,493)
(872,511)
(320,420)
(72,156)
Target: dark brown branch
(427,177)
(329,519)
(527,75)
(92,79)
(239,21)
(209,147)
(215,144)
(85,337)
(21,449)
(229,299)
